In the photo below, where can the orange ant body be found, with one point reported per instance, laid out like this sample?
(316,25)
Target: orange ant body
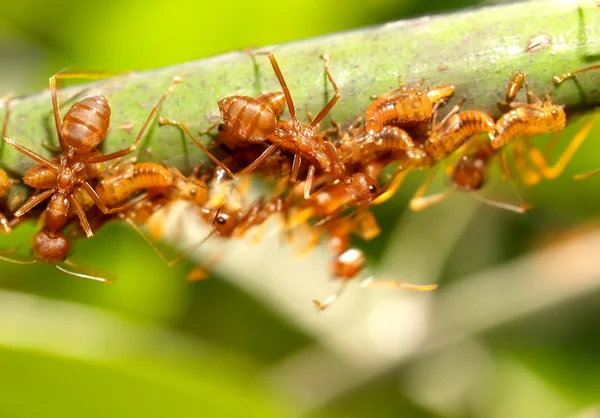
(132,179)
(467,175)
(83,128)
(363,147)
(559,80)
(454,130)
(246,121)
(514,85)
(300,139)
(5,184)
(347,262)
(331,200)
(528,119)
(405,107)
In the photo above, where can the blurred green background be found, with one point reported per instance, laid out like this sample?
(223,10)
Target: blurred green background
(512,332)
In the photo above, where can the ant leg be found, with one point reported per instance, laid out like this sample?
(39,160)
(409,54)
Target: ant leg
(36,157)
(11,260)
(282,83)
(33,201)
(191,249)
(295,168)
(137,229)
(392,187)
(532,95)
(366,227)
(549,148)
(163,121)
(526,173)
(370,282)
(82,218)
(419,201)
(565,76)
(51,148)
(334,99)
(553,172)
(80,275)
(132,147)
(451,113)
(522,207)
(309,181)
(262,157)
(116,164)
(502,205)
(321,306)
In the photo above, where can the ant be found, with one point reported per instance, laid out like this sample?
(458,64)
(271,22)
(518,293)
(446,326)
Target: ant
(162,185)
(405,106)
(330,201)
(83,128)
(300,139)
(348,262)
(585,128)
(443,138)
(246,121)
(527,118)
(468,175)
(358,146)
(514,85)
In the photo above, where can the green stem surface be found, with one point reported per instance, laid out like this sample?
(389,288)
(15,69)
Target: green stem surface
(477,50)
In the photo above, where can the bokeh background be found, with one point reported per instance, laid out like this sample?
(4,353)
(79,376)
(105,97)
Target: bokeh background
(512,331)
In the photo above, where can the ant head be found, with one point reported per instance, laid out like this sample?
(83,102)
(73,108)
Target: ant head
(50,246)
(348,264)
(363,188)
(468,174)
(226,222)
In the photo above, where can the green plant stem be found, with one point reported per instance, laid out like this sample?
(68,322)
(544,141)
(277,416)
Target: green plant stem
(477,50)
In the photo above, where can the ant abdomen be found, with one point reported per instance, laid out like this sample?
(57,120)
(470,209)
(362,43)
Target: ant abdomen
(86,123)
(469,173)
(249,118)
(50,246)
(455,131)
(275,100)
(132,180)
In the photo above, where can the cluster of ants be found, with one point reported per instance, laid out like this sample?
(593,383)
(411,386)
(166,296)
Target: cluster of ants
(326,180)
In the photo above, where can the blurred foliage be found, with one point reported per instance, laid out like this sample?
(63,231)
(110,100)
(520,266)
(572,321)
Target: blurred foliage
(152,344)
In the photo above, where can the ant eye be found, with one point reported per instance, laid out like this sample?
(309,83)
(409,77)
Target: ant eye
(554,112)
(372,188)
(221,220)
(193,192)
